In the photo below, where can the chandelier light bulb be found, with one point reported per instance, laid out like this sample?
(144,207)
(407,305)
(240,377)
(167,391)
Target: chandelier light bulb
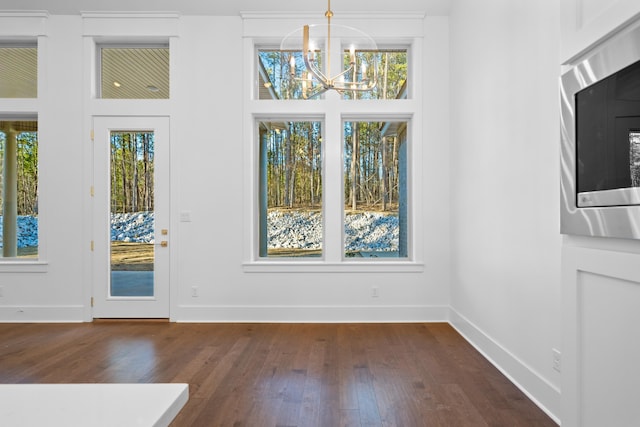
(292,65)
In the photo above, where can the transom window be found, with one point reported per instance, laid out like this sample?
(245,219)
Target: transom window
(282,74)
(18,71)
(134,72)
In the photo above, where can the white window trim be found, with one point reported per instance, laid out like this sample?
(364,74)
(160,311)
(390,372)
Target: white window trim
(332,112)
(27,26)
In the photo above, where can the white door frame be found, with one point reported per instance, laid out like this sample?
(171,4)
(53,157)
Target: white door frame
(104,305)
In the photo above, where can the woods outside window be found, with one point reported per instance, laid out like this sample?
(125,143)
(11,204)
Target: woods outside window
(19,188)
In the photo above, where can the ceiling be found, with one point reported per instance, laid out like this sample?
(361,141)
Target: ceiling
(225,7)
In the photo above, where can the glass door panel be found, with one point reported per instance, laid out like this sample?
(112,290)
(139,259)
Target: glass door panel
(132,214)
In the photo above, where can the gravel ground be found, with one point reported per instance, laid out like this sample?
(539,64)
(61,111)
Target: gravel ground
(364,231)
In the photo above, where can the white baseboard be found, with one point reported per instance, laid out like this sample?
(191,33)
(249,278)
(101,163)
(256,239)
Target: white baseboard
(544,394)
(42,314)
(315,314)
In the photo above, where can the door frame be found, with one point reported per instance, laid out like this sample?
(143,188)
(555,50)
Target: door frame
(104,306)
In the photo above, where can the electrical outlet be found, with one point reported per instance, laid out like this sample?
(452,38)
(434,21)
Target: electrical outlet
(374,292)
(557,359)
(194,291)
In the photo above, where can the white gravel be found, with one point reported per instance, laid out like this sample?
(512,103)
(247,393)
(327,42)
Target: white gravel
(366,231)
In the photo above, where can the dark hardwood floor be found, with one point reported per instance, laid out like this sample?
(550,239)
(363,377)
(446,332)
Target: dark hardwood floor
(281,374)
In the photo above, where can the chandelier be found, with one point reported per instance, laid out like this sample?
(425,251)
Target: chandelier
(312,71)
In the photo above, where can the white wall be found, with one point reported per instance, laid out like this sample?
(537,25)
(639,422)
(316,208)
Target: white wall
(207,126)
(56,294)
(210,251)
(505,241)
(600,277)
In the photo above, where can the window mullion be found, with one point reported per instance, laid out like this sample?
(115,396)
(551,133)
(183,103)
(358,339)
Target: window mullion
(333,197)
(333,191)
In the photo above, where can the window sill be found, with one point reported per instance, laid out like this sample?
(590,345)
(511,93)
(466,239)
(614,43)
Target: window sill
(16,266)
(324,267)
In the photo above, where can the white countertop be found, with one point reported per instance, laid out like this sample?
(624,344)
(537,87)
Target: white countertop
(89,405)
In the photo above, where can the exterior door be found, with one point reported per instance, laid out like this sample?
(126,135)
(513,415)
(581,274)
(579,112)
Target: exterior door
(131,217)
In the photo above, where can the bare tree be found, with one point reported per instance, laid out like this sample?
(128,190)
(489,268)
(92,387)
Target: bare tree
(354,166)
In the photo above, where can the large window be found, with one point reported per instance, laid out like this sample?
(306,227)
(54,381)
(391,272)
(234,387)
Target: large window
(19,189)
(291,188)
(332,177)
(375,195)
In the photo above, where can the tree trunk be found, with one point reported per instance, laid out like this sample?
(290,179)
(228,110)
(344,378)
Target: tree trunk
(385,79)
(147,174)
(383,179)
(112,169)
(287,171)
(134,172)
(125,201)
(311,157)
(393,178)
(354,166)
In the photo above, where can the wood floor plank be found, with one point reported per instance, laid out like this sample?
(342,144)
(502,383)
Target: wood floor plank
(310,409)
(346,379)
(281,374)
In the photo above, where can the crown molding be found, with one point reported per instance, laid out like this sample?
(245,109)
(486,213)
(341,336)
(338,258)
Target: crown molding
(336,15)
(24,14)
(125,15)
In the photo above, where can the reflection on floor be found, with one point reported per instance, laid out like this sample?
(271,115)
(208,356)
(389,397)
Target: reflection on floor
(132,283)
